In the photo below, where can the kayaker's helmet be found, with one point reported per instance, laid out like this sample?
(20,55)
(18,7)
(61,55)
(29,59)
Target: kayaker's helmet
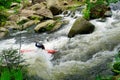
(39,45)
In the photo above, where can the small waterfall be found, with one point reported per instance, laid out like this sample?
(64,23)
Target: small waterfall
(79,58)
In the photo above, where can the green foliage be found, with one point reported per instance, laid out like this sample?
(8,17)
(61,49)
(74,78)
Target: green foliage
(5,4)
(10,65)
(12,74)
(89,5)
(50,26)
(3,19)
(116,64)
(86,13)
(115,69)
(98,77)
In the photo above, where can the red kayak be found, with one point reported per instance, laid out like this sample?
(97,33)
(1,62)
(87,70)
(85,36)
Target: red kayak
(48,50)
(51,51)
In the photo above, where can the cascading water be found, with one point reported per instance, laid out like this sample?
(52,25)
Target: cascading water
(79,58)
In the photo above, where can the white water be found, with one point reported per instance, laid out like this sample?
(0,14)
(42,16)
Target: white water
(83,55)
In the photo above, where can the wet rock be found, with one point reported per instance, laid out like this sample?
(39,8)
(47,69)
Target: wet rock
(57,18)
(81,26)
(37,1)
(22,20)
(108,14)
(3,32)
(45,12)
(35,17)
(13,17)
(28,24)
(58,25)
(55,9)
(54,6)
(65,3)
(44,26)
(14,5)
(11,25)
(2,35)
(38,6)
(26,12)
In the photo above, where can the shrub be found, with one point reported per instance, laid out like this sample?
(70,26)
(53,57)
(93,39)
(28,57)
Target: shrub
(11,67)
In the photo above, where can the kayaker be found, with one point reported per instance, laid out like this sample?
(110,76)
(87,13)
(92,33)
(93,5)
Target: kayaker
(40,45)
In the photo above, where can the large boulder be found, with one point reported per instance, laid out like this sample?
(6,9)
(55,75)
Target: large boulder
(45,26)
(54,6)
(81,26)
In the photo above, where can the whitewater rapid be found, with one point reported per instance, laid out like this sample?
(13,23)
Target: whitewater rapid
(79,58)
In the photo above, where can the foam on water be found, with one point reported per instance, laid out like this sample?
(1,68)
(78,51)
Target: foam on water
(81,55)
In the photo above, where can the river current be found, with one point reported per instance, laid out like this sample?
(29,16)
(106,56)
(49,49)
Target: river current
(82,57)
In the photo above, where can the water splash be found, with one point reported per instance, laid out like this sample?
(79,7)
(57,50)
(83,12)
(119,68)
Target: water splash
(80,58)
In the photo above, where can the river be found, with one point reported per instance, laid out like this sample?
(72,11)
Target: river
(82,57)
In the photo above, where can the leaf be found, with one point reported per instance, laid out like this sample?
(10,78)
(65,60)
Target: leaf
(5,75)
(18,75)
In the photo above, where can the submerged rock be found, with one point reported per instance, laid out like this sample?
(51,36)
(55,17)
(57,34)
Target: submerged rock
(81,26)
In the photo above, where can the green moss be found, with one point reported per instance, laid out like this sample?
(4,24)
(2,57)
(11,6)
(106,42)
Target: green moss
(50,26)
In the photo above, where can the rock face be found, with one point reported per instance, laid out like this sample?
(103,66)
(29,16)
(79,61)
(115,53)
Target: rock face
(81,26)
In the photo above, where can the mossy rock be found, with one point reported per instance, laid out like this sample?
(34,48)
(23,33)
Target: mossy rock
(81,26)
(98,11)
(45,26)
